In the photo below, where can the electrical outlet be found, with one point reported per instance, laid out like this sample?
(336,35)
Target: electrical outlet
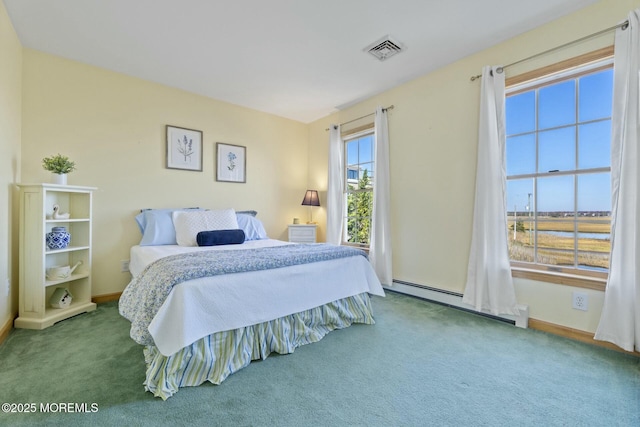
(124,265)
(580,301)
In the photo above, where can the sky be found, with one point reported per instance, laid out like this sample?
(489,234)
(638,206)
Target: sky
(574,132)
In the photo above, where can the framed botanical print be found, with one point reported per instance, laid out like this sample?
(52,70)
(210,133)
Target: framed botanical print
(231,163)
(184,149)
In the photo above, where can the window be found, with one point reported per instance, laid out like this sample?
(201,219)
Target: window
(558,170)
(359,181)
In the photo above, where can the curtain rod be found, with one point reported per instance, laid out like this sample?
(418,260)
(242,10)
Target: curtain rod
(390,107)
(622,25)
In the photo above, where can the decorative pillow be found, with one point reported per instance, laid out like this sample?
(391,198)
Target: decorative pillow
(189,223)
(220,237)
(252,213)
(156,226)
(252,227)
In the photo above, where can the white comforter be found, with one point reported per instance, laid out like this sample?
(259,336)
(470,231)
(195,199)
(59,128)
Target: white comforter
(201,307)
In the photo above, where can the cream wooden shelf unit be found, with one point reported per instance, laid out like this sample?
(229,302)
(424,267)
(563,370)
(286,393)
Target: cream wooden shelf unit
(35,290)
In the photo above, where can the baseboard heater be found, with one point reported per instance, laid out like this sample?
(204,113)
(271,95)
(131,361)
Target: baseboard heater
(454,300)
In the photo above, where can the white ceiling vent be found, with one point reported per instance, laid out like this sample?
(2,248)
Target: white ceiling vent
(384,48)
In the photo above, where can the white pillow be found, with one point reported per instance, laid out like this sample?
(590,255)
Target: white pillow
(189,223)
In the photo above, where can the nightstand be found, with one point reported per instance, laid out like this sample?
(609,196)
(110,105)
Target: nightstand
(302,233)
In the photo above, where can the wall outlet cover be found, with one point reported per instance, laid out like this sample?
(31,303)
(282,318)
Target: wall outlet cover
(580,301)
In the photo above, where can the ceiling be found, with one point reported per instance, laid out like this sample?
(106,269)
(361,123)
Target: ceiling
(298,59)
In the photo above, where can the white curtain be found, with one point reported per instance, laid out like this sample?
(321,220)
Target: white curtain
(489,284)
(335,188)
(620,319)
(380,245)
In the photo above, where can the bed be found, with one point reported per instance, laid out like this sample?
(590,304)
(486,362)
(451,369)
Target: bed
(202,313)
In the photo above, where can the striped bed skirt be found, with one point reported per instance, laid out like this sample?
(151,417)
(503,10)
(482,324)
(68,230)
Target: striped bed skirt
(215,357)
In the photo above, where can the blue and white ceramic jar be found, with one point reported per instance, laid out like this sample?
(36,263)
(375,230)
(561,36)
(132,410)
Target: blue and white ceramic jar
(58,238)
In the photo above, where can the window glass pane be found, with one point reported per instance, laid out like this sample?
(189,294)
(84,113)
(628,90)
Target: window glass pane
(595,256)
(521,155)
(521,250)
(352,152)
(359,207)
(521,113)
(352,175)
(556,105)
(366,175)
(556,239)
(594,193)
(371,180)
(366,149)
(559,257)
(555,196)
(557,150)
(594,239)
(594,221)
(520,219)
(595,95)
(594,145)
(520,195)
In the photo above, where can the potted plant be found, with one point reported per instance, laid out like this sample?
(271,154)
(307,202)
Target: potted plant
(59,166)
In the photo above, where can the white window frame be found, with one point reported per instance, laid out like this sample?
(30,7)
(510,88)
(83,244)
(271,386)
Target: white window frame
(346,138)
(566,70)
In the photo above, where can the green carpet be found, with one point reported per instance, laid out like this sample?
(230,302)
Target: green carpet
(422,364)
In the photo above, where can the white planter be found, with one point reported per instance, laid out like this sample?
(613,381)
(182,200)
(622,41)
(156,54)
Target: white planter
(59,178)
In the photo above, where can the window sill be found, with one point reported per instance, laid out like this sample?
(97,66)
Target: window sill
(579,281)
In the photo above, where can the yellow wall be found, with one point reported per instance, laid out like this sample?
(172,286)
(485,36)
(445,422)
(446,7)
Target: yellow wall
(113,127)
(10,120)
(433,136)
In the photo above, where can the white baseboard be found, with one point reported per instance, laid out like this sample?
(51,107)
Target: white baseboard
(453,299)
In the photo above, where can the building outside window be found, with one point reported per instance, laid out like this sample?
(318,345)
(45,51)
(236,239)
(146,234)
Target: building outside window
(558,170)
(359,182)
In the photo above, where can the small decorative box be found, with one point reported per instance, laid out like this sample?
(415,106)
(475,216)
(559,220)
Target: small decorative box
(61,298)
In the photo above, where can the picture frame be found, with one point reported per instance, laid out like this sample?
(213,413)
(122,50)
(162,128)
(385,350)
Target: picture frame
(184,149)
(231,163)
